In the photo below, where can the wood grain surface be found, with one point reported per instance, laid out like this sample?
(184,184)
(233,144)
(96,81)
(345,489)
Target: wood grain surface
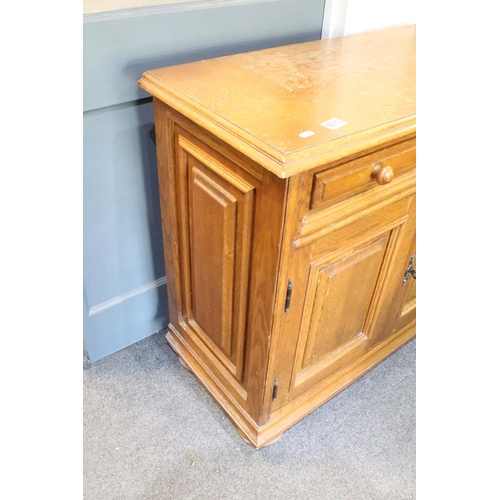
(366,81)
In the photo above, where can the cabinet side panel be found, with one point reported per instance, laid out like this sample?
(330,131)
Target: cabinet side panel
(216,207)
(228,228)
(212,233)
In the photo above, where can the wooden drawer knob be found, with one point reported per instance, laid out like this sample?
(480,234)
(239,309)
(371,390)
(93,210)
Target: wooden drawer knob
(383,175)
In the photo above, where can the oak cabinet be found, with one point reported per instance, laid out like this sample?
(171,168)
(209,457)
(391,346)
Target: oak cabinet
(287,183)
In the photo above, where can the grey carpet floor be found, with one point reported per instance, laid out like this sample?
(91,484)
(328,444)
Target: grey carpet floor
(152,432)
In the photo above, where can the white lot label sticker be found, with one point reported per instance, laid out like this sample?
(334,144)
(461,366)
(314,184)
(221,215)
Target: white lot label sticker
(334,123)
(307,133)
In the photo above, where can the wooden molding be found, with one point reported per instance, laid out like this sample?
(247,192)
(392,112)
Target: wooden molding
(282,165)
(264,435)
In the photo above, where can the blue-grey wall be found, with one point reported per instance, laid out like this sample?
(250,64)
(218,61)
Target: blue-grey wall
(124,276)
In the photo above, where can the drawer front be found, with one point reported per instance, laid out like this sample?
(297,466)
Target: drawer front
(374,171)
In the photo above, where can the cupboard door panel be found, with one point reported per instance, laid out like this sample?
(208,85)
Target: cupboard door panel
(334,328)
(329,331)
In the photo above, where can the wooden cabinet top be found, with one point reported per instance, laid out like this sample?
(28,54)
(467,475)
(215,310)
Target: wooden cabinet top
(297,107)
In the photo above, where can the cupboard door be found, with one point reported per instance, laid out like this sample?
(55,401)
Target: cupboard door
(342,304)
(397,311)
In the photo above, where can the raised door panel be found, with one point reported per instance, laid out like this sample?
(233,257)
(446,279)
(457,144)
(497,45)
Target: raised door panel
(338,295)
(339,288)
(217,211)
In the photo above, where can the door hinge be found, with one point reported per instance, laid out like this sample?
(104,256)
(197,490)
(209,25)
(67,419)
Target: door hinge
(275,389)
(288,296)
(410,271)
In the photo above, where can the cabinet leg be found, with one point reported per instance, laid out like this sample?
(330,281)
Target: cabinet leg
(276,439)
(242,436)
(183,364)
(269,443)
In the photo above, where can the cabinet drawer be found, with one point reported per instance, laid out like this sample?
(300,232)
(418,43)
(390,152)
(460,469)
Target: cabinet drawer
(374,171)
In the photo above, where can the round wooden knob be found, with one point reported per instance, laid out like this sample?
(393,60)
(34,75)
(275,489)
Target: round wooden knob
(383,175)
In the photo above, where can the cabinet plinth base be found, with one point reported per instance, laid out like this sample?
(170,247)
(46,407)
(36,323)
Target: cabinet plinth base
(184,364)
(268,443)
(290,414)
